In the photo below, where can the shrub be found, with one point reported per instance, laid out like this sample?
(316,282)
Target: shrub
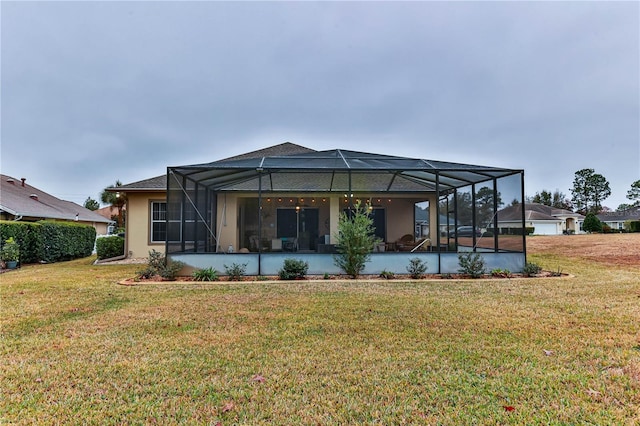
(28,236)
(356,240)
(501,273)
(50,241)
(632,225)
(387,275)
(66,240)
(235,271)
(206,274)
(293,269)
(108,247)
(171,269)
(158,265)
(157,260)
(10,250)
(416,268)
(592,223)
(471,264)
(531,268)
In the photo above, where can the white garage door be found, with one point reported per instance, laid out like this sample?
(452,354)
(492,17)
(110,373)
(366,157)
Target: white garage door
(545,228)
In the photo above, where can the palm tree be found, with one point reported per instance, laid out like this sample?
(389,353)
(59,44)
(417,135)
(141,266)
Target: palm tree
(116,200)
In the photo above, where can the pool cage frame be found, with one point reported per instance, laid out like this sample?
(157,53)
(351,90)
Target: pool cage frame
(464,195)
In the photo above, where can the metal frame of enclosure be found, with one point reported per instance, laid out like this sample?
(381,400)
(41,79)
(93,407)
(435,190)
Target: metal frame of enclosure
(462,197)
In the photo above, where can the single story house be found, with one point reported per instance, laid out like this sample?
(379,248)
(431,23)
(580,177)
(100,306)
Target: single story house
(20,201)
(285,201)
(616,220)
(545,220)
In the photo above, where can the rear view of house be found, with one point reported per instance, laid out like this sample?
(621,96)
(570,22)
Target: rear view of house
(285,201)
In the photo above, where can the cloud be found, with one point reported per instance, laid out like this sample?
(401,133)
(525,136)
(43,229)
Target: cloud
(100,91)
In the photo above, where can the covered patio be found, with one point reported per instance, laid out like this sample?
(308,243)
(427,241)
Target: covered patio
(259,211)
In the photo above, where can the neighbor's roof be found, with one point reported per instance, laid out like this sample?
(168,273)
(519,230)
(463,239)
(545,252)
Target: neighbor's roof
(336,170)
(23,200)
(632,213)
(535,212)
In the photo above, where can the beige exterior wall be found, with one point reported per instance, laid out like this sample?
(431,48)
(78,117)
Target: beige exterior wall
(226,227)
(101,228)
(138,224)
(399,217)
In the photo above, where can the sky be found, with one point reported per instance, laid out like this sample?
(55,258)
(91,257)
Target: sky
(94,92)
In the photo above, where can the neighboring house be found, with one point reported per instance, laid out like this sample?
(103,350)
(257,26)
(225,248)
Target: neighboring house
(615,220)
(261,207)
(544,219)
(20,201)
(111,213)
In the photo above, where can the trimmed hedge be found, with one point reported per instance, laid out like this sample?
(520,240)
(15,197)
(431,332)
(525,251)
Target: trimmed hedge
(634,226)
(49,241)
(28,235)
(108,247)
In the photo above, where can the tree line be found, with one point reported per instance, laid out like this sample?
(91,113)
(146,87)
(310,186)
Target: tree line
(589,190)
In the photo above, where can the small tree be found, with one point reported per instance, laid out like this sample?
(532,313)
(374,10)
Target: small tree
(634,193)
(356,240)
(592,223)
(117,200)
(91,204)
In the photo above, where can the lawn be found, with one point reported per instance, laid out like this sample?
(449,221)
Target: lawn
(78,348)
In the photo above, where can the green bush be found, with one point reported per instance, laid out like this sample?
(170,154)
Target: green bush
(108,247)
(236,271)
(416,268)
(387,275)
(356,240)
(501,273)
(632,225)
(592,223)
(531,268)
(206,274)
(66,240)
(171,269)
(471,264)
(293,269)
(159,265)
(28,236)
(50,241)
(10,250)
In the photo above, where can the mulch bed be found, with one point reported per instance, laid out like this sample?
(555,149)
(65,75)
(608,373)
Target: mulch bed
(401,277)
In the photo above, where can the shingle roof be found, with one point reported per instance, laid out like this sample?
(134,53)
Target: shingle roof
(365,170)
(23,200)
(535,211)
(159,183)
(621,216)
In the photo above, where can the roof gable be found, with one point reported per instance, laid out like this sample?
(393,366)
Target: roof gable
(23,200)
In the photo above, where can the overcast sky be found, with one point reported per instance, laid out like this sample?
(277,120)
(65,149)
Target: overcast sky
(94,92)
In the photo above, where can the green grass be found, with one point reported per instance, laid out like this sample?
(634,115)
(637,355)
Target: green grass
(78,348)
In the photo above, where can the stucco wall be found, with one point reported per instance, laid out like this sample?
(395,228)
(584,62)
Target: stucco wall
(138,226)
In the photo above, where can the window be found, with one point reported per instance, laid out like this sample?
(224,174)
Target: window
(158,222)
